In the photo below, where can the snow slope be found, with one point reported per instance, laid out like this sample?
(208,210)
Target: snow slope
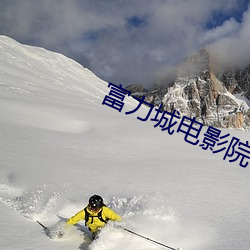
(59,145)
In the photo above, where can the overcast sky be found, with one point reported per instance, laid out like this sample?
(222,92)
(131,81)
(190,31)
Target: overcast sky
(131,41)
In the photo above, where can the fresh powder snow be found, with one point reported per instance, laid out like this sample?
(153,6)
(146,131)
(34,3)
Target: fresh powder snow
(59,145)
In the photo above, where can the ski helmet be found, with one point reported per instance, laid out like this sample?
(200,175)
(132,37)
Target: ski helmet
(95,202)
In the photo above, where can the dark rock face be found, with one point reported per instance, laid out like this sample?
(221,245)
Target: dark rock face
(136,88)
(237,81)
(198,92)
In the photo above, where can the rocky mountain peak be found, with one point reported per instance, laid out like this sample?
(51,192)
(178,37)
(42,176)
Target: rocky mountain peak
(197,64)
(199,92)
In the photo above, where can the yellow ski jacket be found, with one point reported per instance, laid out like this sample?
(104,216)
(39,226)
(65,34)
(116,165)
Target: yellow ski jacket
(94,223)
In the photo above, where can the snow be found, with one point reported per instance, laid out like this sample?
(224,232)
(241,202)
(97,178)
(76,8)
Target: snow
(242,99)
(59,145)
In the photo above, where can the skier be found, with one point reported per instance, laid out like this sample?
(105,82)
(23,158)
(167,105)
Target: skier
(95,214)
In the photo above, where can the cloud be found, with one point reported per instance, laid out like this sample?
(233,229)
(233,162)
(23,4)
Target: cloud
(228,28)
(232,50)
(124,41)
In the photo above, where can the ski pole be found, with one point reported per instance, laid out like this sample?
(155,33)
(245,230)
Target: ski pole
(45,228)
(146,238)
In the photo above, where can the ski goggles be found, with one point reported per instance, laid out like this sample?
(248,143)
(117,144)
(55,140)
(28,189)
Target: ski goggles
(94,208)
